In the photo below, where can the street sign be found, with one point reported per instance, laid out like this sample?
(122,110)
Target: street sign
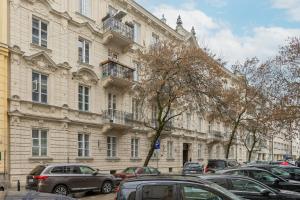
(157,144)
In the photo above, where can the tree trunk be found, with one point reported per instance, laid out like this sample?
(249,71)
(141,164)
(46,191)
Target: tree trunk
(252,148)
(230,141)
(152,147)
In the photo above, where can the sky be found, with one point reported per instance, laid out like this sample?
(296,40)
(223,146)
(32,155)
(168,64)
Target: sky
(234,29)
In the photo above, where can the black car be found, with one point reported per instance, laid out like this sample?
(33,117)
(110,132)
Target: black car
(192,168)
(294,171)
(275,169)
(31,195)
(217,164)
(265,177)
(249,188)
(172,188)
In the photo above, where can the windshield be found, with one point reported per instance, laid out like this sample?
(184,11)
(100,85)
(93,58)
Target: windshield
(130,170)
(192,165)
(224,191)
(216,164)
(37,170)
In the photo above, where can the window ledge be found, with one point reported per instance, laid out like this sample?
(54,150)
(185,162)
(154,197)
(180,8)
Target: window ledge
(40,47)
(113,159)
(135,159)
(40,103)
(40,158)
(84,158)
(85,17)
(85,64)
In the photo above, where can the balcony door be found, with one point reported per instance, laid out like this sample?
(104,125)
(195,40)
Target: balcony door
(112,106)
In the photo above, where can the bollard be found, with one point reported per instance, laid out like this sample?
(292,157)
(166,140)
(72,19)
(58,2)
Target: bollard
(18,185)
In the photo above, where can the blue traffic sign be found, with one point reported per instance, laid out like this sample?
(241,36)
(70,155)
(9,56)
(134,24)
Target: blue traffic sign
(157,144)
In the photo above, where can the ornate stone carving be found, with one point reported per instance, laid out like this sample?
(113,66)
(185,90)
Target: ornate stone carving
(15,120)
(86,76)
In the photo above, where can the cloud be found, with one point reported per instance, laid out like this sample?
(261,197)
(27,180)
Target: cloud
(292,8)
(262,42)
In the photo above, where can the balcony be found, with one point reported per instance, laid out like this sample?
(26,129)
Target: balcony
(116,121)
(115,32)
(116,75)
(215,137)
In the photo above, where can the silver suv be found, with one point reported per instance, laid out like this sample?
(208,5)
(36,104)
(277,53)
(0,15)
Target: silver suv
(68,178)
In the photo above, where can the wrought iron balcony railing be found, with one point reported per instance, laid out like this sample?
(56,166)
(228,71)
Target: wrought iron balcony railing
(115,69)
(117,117)
(115,25)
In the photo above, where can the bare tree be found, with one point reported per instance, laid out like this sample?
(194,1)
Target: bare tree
(174,78)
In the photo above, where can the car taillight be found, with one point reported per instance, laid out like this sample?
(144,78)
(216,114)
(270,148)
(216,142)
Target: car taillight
(40,177)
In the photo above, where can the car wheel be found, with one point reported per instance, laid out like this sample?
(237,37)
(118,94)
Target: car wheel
(61,189)
(106,187)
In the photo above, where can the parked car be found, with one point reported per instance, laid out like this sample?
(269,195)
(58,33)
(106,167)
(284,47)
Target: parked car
(217,164)
(265,177)
(192,168)
(68,178)
(293,170)
(172,188)
(259,162)
(282,162)
(131,172)
(249,188)
(273,169)
(31,195)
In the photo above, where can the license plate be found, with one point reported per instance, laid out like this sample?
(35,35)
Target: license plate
(30,180)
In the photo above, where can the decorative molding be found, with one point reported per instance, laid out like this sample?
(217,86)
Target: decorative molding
(86,76)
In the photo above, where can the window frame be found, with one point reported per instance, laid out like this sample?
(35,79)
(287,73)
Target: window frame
(84,95)
(112,151)
(39,138)
(39,29)
(137,32)
(135,146)
(82,42)
(39,85)
(170,148)
(84,148)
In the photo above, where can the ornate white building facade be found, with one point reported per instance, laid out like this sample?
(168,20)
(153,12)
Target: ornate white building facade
(72,66)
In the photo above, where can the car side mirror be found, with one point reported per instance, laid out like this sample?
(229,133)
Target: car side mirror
(96,172)
(265,192)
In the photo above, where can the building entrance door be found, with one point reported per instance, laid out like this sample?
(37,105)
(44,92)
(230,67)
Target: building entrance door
(185,153)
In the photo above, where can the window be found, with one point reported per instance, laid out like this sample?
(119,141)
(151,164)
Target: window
(199,152)
(83,145)
(111,147)
(154,39)
(83,98)
(134,147)
(113,55)
(136,32)
(135,109)
(200,123)
(112,11)
(39,87)
(39,32)
(85,7)
(246,185)
(83,51)
(209,127)
(194,192)
(137,67)
(188,120)
(62,170)
(169,149)
(158,192)
(86,170)
(221,182)
(112,106)
(39,142)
